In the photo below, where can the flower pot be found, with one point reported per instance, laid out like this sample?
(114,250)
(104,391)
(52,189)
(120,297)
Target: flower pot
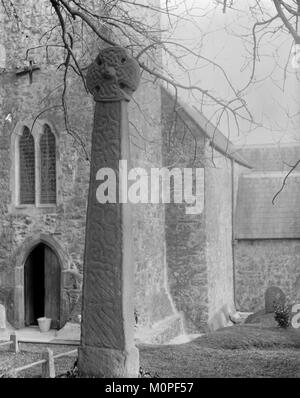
(44,324)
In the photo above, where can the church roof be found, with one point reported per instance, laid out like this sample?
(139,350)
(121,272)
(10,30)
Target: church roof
(217,139)
(257,217)
(271,157)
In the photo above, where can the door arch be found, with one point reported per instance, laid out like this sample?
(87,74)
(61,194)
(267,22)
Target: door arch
(42,285)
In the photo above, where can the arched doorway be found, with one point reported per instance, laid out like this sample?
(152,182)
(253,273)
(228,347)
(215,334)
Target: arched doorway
(42,277)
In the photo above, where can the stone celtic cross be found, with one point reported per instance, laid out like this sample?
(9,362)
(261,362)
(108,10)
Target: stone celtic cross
(107,341)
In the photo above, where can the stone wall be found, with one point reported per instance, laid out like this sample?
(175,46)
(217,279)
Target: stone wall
(199,247)
(260,259)
(153,303)
(218,225)
(21,101)
(155,309)
(264,263)
(64,225)
(185,234)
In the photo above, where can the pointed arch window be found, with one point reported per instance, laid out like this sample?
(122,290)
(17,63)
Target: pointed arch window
(48,167)
(35,165)
(27,168)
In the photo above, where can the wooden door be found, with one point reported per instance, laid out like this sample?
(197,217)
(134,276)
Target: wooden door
(52,287)
(29,292)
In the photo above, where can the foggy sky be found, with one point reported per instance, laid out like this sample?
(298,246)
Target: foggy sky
(226,39)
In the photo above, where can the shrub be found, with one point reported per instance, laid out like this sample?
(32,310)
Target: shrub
(282,315)
(145,374)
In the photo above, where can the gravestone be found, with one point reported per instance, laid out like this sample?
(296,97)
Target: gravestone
(2,317)
(273,296)
(107,328)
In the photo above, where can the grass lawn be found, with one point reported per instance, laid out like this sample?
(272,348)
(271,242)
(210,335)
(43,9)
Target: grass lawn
(30,353)
(198,362)
(238,351)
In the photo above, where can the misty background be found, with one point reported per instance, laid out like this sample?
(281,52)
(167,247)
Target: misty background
(227,40)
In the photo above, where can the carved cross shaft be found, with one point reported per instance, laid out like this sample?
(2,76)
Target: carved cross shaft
(107,342)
